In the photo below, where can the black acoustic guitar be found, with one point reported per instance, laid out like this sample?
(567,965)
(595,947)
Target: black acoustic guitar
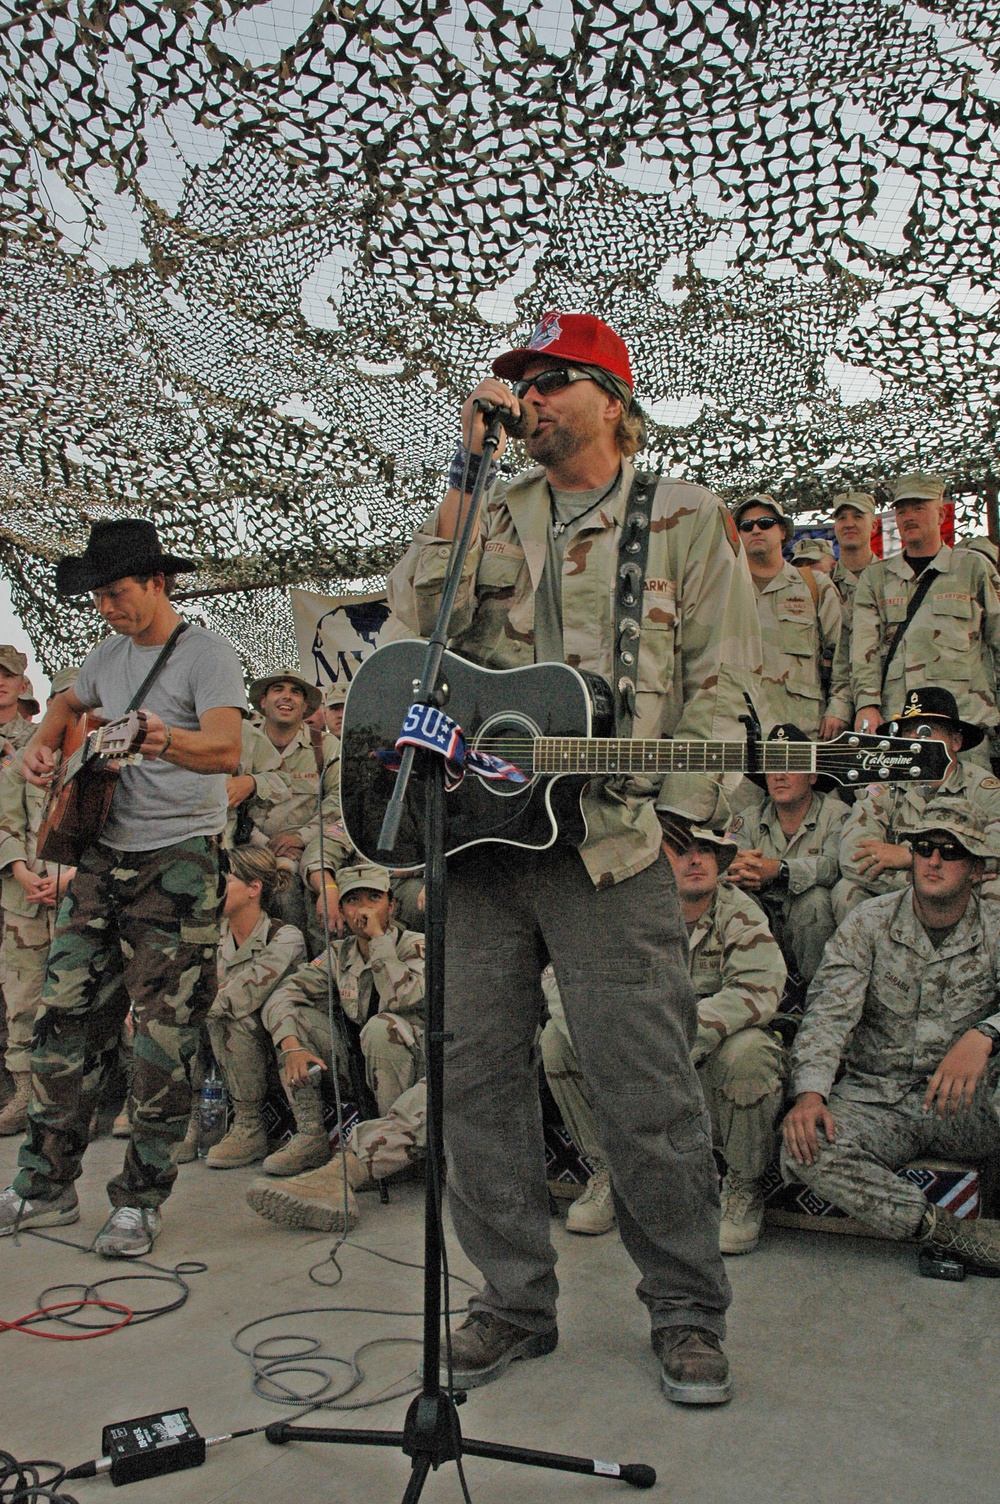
(551,721)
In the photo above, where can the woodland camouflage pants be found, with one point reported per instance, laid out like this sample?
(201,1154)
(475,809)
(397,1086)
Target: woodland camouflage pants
(150,918)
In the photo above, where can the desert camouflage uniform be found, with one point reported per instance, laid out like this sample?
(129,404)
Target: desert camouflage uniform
(388,1144)
(795,636)
(802,914)
(260,759)
(382,997)
(891,1006)
(954,639)
(27,926)
(841,703)
(738,974)
(162,908)
(248,974)
(883,811)
(18,732)
(698,652)
(297,814)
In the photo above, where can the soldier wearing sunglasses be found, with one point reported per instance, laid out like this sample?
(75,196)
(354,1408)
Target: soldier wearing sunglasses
(906,999)
(800,620)
(540,587)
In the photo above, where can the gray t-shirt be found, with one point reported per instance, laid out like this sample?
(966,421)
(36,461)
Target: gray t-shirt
(571,509)
(157,804)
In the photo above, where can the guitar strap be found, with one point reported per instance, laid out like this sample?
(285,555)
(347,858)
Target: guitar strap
(924,584)
(633,551)
(160,663)
(316,738)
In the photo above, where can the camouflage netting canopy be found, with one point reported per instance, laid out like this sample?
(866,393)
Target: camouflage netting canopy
(254,254)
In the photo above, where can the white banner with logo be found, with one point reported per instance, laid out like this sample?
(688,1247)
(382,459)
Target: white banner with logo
(335,633)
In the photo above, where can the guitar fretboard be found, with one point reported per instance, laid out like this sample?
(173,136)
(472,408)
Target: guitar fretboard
(579,754)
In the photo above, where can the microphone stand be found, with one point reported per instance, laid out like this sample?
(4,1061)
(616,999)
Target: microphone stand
(432,1434)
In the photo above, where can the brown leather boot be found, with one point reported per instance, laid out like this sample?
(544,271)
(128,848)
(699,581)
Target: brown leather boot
(693,1367)
(14,1118)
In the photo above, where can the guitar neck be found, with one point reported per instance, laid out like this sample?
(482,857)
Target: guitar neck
(581,754)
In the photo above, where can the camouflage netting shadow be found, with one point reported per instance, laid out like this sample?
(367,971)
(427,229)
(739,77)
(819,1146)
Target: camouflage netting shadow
(254,253)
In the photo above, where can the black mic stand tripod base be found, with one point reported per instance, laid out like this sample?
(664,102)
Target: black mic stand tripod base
(431,1433)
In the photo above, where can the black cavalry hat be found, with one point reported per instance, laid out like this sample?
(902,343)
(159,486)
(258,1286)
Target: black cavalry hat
(932,704)
(787,732)
(115,549)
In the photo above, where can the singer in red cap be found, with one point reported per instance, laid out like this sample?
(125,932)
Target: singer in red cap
(544,583)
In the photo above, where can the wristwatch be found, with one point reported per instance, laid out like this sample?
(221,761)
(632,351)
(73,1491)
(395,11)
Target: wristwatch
(782,879)
(992,1034)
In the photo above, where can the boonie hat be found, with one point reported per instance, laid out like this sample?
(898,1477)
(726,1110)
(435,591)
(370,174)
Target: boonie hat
(931,703)
(12,659)
(859,500)
(117,548)
(699,806)
(764,499)
(364,875)
(811,550)
(917,487)
(980,545)
(27,698)
(64,678)
(580,339)
(786,731)
(960,819)
(260,687)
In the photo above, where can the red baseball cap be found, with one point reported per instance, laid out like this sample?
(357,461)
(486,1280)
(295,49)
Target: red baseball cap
(578,338)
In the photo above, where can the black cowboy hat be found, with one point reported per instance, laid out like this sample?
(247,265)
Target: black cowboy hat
(787,732)
(932,704)
(116,549)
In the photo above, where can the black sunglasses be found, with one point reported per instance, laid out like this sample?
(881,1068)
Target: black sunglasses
(547,382)
(764,523)
(949,851)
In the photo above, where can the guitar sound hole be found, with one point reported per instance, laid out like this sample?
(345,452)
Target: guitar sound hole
(508,735)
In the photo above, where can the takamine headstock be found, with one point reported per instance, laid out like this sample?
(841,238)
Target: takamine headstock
(856,758)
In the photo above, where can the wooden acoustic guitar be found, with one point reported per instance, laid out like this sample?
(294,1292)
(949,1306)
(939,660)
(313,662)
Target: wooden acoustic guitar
(84,784)
(551,721)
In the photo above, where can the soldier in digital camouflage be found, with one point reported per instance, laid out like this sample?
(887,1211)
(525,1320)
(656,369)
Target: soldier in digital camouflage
(954,637)
(144,905)
(540,586)
(788,855)
(256,953)
(906,1003)
(800,617)
(378,979)
(739,975)
(875,857)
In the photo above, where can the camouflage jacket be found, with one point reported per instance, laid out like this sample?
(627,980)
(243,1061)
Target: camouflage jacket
(262,761)
(954,639)
(737,969)
(392,978)
(249,973)
(18,732)
(884,810)
(891,1006)
(811,853)
(795,635)
(334,852)
(699,646)
(296,812)
(841,702)
(22,806)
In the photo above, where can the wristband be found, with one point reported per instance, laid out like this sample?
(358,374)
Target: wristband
(170,737)
(456,471)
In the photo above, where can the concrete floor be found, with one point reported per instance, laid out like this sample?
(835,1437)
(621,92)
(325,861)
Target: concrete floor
(857,1382)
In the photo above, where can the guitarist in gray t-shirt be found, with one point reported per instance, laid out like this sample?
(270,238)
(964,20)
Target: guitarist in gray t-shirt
(147,895)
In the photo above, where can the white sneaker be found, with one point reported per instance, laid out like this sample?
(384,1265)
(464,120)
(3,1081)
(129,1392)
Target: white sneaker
(16,1213)
(594,1211)
(742,1214)
(129,1232)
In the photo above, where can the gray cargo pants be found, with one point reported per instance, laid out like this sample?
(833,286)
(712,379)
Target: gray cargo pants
(620,958)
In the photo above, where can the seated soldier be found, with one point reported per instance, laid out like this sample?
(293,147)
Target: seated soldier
(906,1001)
(256,953)
(738,975)
(378,972)
(874,856)
(788,856)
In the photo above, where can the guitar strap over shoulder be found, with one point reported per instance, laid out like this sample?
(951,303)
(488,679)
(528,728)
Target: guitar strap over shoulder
(924,584)
(154,673)
(633,551)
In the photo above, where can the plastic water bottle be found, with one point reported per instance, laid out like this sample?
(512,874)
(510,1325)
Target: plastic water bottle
(211,1113)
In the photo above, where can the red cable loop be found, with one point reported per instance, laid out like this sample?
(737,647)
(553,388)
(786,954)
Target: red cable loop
(44,1313)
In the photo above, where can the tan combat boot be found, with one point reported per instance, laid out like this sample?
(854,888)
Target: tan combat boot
(315,1200)
(244,1144)
(594,1211)
(14,1118)
(187,1149)
(122,1125)
(975,1240)
(742,1214)
(310,1147)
